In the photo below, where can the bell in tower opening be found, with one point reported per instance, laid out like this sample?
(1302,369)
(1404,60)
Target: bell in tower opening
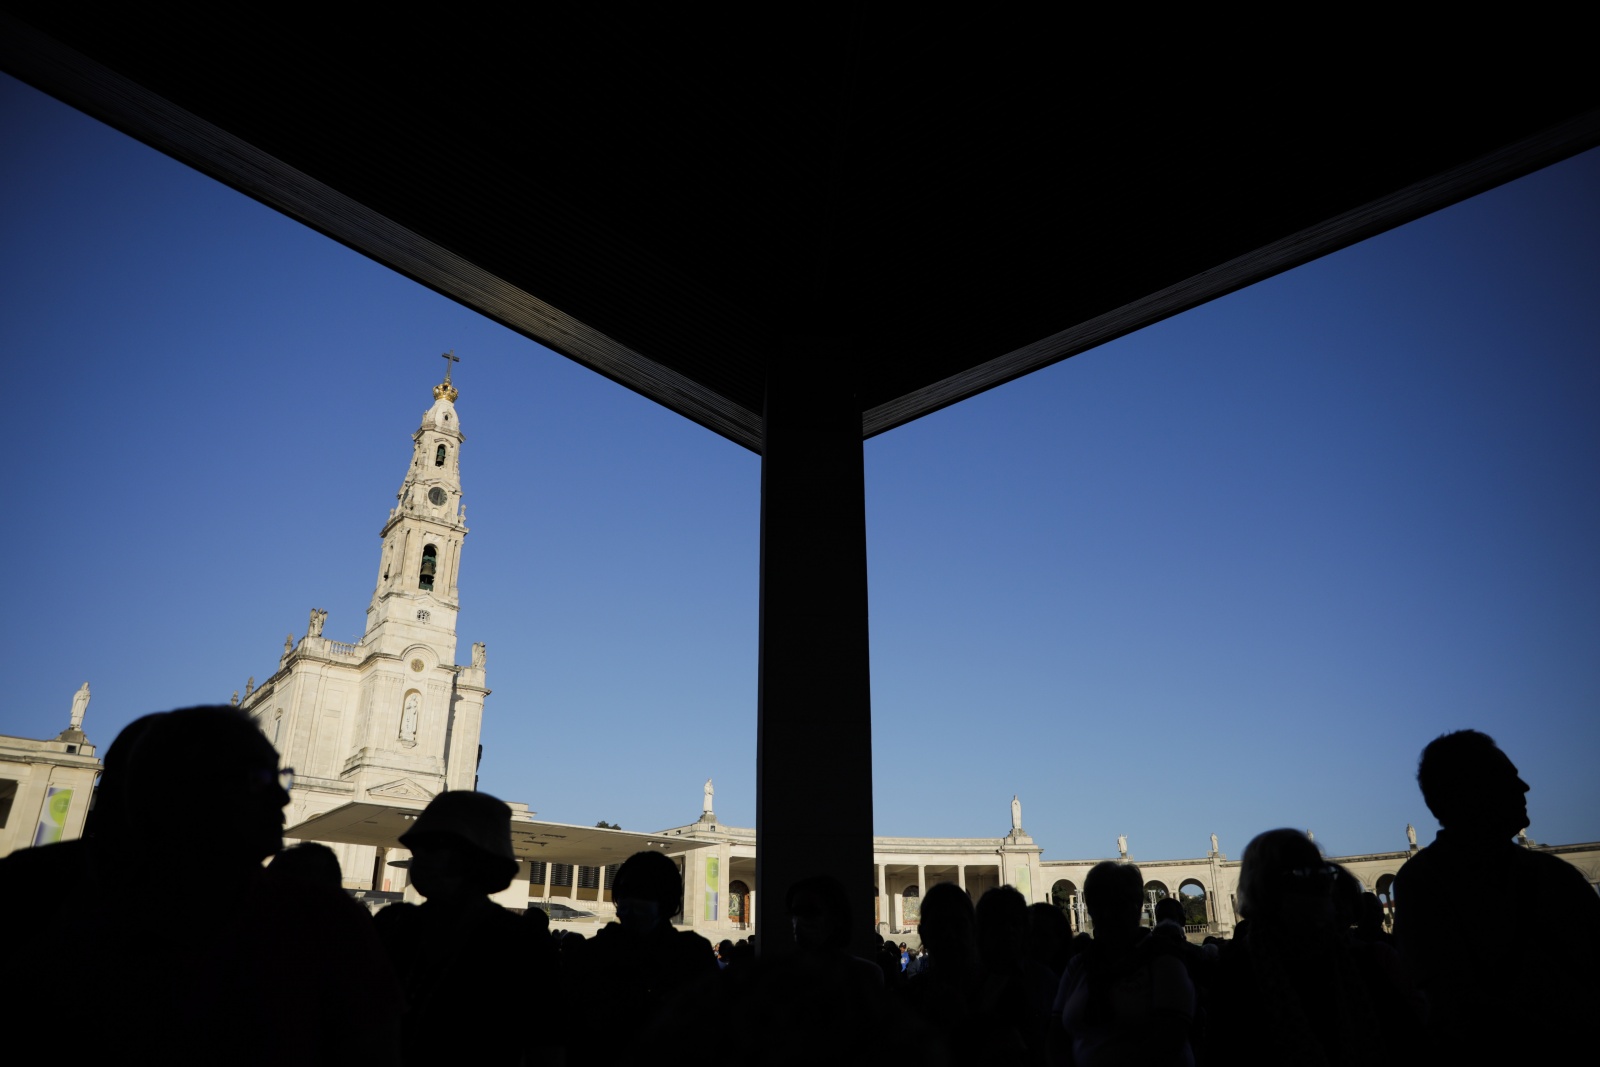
(429,563)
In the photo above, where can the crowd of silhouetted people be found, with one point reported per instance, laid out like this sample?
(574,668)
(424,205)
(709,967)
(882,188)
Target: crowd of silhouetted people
(161,937)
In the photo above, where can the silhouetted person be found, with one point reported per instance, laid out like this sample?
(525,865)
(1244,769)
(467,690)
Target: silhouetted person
(1016,991)
(1125,999)
(891,963)
(822,1001)
(309,861)
(463,960)
(1199,962)
(1294,987)
(1050,938)
(1504,941)
(944,991)
(639,976)
(199,955)
(1369,920)
(544,953)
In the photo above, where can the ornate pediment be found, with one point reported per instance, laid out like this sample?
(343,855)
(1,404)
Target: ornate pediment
(401,789)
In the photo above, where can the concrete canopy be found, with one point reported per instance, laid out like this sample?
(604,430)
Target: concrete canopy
(664,196)
(542,842)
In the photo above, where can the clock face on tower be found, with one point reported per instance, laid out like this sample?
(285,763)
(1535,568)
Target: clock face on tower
(436,496)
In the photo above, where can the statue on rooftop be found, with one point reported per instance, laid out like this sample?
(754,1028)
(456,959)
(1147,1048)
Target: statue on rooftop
(1122,845)
(1016,813)
(709,792)
(480,653)
(1214,847)
(1411,835)
(318,617)
(80,704)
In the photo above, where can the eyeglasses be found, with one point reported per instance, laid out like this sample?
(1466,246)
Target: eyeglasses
(262,778)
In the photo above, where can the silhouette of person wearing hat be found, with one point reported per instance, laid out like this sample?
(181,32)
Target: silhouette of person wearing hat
(462,959)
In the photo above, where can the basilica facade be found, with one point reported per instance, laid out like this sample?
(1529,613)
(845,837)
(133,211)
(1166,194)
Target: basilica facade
(392,717)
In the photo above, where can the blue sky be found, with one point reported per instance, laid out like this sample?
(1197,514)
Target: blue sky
(1225,574)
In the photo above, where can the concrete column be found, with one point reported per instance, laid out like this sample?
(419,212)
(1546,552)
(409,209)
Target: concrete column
(961,877)
(814,704)
(885,905)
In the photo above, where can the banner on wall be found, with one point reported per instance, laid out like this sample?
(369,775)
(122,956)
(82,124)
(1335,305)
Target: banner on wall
(711,888)
(1022,881)
(53,819)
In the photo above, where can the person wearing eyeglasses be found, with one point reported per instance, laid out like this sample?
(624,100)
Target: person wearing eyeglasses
(200,956)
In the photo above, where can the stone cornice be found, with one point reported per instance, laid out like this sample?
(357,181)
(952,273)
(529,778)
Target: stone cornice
(400,514)
(71,760)
(1202,862)
(322,785)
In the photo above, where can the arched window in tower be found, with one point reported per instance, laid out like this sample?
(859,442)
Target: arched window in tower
(438,456)
(430,563)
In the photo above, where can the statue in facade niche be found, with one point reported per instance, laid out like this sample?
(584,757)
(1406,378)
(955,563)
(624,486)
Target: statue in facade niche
(408,718)
(1016,812)
(80,704)
(480,652)
(318,617)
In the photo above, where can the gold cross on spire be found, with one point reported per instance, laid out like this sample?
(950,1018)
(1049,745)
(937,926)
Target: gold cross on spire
(445,390)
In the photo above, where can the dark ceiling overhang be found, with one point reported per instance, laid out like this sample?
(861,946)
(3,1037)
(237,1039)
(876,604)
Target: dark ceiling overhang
(927,210)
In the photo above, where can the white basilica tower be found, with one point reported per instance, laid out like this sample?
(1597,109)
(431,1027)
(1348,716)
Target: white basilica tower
(392,717)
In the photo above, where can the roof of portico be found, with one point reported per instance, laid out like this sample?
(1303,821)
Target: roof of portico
(548,842)
(664,196)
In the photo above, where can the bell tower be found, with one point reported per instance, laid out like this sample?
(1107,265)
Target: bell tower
(416,598)
(392,718)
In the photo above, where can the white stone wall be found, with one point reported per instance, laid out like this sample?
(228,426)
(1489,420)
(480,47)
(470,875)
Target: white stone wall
(36,768)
